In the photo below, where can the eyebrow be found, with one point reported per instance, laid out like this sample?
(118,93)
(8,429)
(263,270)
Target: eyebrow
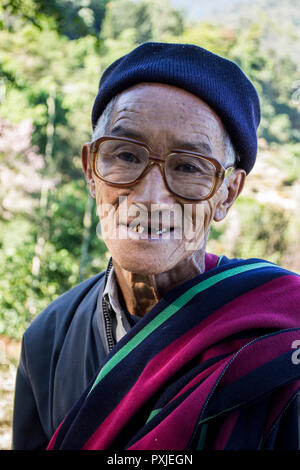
(180,144)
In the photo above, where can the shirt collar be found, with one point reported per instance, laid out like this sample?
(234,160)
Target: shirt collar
(110,292)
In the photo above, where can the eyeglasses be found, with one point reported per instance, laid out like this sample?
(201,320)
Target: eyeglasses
(123,162)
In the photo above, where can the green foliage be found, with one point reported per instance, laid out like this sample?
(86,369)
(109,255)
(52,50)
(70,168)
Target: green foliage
(51,58)
(36,238)
(268,236)
(150,20)
(207,35)
(72,18)
(23,295)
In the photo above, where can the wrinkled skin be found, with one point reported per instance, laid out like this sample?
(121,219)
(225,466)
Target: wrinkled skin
(161,115)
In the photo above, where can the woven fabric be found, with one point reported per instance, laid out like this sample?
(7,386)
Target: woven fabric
(211,366)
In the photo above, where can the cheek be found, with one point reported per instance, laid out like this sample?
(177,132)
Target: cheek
(202,214)
(212,204)
(108,195)
(107,201)
(103,193)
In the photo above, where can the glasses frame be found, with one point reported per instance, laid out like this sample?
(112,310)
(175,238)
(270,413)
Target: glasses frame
(154,158)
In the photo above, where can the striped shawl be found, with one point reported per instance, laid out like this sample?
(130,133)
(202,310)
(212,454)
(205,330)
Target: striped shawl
(213,365)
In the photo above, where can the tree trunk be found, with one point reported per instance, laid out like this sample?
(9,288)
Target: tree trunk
(49,170)
(87,224)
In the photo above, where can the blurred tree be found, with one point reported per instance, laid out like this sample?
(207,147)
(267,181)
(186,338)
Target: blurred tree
(52,57)
(72,18)
(217,39)
(35,266)
(48,87)
(20,165)
(150,19)
(43,59)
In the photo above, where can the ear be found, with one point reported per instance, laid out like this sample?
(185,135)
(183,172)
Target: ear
(87,168)
(234,188)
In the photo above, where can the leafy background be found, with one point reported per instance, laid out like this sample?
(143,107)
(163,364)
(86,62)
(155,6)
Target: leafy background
(52,55)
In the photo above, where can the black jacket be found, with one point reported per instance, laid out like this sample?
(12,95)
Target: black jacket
(61,352)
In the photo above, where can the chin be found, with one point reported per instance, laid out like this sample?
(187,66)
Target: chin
(143,263)
(142,266)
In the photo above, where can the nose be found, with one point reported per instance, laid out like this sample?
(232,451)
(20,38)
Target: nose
(151,189)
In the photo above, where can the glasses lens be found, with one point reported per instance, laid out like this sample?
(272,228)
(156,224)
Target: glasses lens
(120,161)
(189,176)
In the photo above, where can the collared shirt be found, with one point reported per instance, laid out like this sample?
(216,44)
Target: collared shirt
(122,320)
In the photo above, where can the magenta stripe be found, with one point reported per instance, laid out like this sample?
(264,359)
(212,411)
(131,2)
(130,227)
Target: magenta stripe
(211,261)
(224,348)
(181,421)
(279,401)
(241,315)
(225,431)
(195,342)
(152,378)
(160,369)
(200,377)
(257,354)
(213,352)
(259,351)
(53,438)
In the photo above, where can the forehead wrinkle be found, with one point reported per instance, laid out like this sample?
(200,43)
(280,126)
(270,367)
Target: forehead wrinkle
(151,121)
(200,141)
(130,115)
(181,98)
(124,114)
(201,112)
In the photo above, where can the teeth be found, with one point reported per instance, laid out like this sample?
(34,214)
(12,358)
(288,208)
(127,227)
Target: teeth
(140,229)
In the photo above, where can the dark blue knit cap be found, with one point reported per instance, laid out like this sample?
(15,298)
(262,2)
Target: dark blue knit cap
(216,80)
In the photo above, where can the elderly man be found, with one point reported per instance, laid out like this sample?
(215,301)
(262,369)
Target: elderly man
(170,347)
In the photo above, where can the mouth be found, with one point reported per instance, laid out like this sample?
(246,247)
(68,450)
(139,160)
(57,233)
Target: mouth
(148,231)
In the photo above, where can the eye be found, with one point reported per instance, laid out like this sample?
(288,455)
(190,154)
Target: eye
(128,157)
(187,168)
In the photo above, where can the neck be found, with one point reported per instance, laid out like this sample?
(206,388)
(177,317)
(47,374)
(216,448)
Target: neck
(142,291)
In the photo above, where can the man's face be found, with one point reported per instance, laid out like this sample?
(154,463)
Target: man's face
(164,117)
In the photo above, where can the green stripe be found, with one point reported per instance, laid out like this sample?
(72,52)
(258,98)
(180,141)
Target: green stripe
(152,414)
(202,437)
(219,261)
(169,312)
